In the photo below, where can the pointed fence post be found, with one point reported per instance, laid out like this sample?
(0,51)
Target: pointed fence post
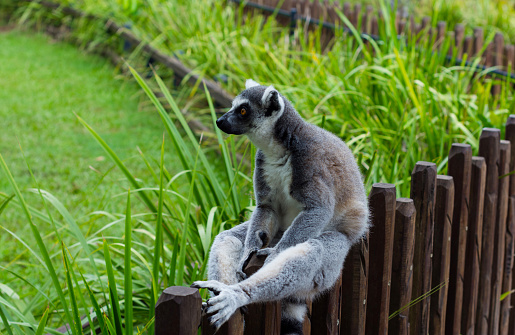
(489,149)
(444,208)
(423,193)
(382,206)
(500,238)
(508,313)
(178,311)
(474,240)
(402,266)
(459,168)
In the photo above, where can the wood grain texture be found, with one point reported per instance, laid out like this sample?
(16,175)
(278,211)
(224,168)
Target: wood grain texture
(489,149)
(382,206)
(355,289)
(423,193)
(507,324)
(402,265)
(444,208)
(325,316)
(474,240)
(499,237)
(459,168)
(178,311)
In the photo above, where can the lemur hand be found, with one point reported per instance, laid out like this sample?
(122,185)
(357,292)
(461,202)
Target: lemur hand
(247,255)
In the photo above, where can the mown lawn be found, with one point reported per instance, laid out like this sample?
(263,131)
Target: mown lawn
(42,86)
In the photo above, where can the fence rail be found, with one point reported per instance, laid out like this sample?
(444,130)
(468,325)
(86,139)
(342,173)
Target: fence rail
(436,263)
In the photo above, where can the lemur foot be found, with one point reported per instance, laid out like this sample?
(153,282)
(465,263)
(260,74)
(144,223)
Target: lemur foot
(227,300)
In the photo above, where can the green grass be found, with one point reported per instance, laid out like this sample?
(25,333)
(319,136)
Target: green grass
(44,85)
(42,88)
(394,102)
(139,229)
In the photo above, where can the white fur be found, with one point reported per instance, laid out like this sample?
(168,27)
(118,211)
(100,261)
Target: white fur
(250,83)
(278,172)
(239,101)
(266,97)
(276,266)
(229,251)
(296,312)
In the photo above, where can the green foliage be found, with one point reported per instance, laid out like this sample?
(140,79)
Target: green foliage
(393,101)
(106,263)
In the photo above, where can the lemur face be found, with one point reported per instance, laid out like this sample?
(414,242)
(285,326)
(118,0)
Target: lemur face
(256,106)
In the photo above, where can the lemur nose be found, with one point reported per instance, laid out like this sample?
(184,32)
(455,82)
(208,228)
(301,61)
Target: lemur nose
(219,122)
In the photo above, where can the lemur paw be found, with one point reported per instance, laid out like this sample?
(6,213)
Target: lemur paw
(227,300)
(213,285)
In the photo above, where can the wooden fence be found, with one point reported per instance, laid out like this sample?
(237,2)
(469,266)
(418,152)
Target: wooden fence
(433,264)
(368,22)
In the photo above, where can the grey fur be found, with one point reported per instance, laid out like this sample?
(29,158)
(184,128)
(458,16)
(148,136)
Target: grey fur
(311,208)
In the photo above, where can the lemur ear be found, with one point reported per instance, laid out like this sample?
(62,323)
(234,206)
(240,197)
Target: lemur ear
(272,101)
(250,83)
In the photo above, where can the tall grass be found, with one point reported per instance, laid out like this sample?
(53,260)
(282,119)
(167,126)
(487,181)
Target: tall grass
(394,101)
(113,281)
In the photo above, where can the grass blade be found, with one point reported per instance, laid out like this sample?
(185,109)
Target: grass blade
(128,268)
(113,293)
(76,328)
(158,243)
(5,321)
(5,202)
(42,323)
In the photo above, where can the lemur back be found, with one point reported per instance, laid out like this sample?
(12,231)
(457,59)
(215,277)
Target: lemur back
(311,207)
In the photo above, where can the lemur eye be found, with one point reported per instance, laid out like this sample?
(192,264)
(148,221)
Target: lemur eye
(243,111)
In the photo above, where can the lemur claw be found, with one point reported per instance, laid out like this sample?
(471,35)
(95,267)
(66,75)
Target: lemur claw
(241,275)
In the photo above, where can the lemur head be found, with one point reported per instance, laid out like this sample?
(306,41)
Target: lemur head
(254,111)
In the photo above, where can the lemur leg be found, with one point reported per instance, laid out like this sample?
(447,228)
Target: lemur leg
(225,255)
(301,271)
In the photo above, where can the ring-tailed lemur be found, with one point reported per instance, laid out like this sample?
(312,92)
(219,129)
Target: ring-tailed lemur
(311,207)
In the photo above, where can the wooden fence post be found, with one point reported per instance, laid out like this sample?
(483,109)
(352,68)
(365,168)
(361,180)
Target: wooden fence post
(232,327)
(178,311)
(402,265)
(459,31)
(459,168)
(474,239)
(498,57)
(489,149)
(444,207)
(382,206)
(354,289)
(325,314)
(499,237)
(478,41)
(261,319)
(508,313)
(423,193)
